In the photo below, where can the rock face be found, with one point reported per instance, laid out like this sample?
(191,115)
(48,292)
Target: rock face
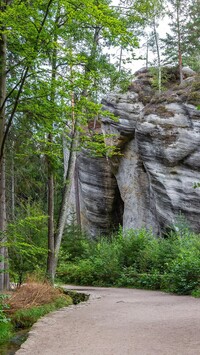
(151,182)
(101,204)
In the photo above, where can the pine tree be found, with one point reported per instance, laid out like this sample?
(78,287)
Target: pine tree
(181,45)
(193,36)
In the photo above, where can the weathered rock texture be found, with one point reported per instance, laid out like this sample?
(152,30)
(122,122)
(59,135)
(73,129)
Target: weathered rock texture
(151,182)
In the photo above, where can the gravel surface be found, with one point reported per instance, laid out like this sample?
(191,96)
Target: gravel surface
(119,322)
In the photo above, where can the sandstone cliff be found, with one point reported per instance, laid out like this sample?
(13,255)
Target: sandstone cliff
(151,182)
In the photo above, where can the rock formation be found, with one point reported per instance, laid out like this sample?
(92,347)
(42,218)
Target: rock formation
(152,181)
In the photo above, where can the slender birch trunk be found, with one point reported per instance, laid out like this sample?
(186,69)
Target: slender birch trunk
(147,53)
(66,194)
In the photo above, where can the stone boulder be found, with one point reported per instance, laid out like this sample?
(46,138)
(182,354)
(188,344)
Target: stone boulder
(151,182)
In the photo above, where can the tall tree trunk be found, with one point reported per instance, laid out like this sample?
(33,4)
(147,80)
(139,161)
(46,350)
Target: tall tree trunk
(147,53)
(158,55)
(51,241)
(4,280)
(66,193)
(50,257)
(12,184)
(120,60)
(65,156)
(180,61)
(77,197)
(69,177)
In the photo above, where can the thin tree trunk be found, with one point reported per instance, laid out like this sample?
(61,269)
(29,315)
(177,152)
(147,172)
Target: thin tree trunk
(180,61)
(147,53)
(51,233)
(50,257)
(158,55)
(66,193)
(65,157)
(4,279)
(68,182)
(3,250)
(12,185)
(77,197)
(120,60)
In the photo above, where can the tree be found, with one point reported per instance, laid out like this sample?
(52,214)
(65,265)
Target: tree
(154,40)
(10,13)
(175,48)
(51,81)
(87,67)
(192,42)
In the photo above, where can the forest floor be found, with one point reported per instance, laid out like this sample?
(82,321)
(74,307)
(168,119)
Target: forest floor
(119,322)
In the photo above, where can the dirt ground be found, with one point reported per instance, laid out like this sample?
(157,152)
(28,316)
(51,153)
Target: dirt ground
(119,322)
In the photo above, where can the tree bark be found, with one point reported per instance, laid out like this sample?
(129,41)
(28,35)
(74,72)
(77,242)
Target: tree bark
(12,184)
(51,241)
(66,193)
(158,55)
(180,61)
(4,279)
(77,197)
(50,257)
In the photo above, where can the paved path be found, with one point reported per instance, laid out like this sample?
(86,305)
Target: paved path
(120,322)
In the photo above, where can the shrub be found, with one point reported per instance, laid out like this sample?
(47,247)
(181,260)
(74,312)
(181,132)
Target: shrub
(183,276)
(5,324)
(196,293)
(128,277)
(80,273)
(136,258)
(133,244)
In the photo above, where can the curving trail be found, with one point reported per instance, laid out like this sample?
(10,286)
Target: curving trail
(119,322)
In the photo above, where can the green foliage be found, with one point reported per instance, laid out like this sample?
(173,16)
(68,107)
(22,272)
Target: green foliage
(56,73)
(165,78)
(138,259)
(75,245)
(3,307)
(27,242)
(196,293)
(25,318)
(5,324)
(184,32)
(6,332)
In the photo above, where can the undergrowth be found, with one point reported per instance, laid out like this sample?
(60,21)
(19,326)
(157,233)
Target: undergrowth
(25,318)
(23,307)
(135,258)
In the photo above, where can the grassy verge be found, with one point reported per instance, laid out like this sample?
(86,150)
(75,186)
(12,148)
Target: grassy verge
(25,318)
(26,305)
(6,332)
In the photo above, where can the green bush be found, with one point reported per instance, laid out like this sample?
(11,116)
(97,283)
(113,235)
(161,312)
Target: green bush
(136,258)
(133,245)
(128,277)
(80,273)
(183,276)
(5,324)
(75,245)
(196,293)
